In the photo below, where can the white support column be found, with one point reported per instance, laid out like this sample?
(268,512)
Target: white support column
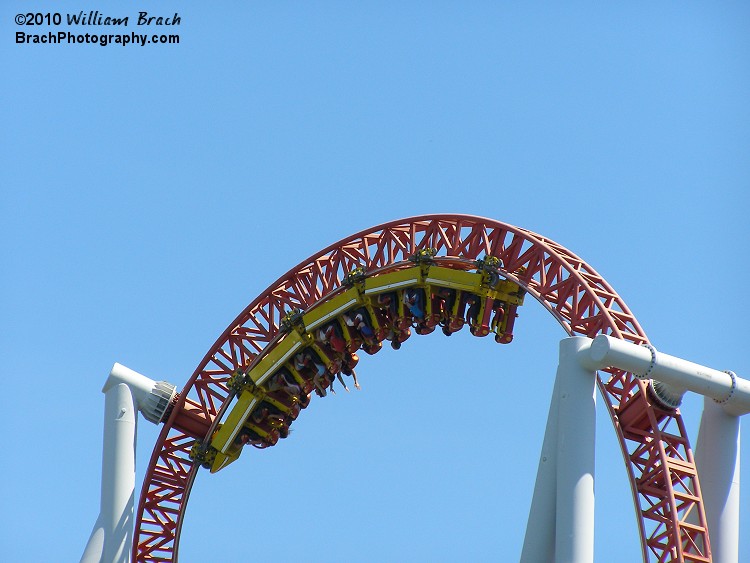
(125,393)
(539,541)
(574,526)
(717,456)
(561,520)
(112,536)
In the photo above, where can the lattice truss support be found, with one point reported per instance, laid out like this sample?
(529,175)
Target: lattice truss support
(654,443)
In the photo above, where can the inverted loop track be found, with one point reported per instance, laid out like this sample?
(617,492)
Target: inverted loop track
(655,446)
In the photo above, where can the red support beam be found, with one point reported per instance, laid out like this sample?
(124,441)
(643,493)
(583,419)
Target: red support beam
(659,462)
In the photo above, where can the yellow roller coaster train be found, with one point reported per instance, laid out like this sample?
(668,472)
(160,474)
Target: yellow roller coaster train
(320,344)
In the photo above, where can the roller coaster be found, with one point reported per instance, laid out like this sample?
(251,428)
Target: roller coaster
(314,347)
(303,334)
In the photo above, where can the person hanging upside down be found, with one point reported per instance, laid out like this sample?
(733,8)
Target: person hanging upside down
(357,320)
(347,368)
(387,301)
(279,382)
(413,302)
(472,313)
(330,335)
(267,413)
(247,436)
(304,361)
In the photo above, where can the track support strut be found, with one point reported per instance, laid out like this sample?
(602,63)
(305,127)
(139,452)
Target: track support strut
(561,520)
(717,456)
(125,393)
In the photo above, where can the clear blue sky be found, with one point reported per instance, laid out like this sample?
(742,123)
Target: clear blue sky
(148,194)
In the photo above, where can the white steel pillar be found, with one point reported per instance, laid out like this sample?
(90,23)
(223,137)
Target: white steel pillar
(576,429)
(112,536)
(717,456)
(561,519)
(539,541)
(125,393)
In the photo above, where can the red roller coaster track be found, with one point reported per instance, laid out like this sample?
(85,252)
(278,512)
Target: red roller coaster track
(655,446)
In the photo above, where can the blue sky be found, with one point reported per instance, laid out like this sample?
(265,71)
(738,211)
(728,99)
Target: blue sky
(148,194)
